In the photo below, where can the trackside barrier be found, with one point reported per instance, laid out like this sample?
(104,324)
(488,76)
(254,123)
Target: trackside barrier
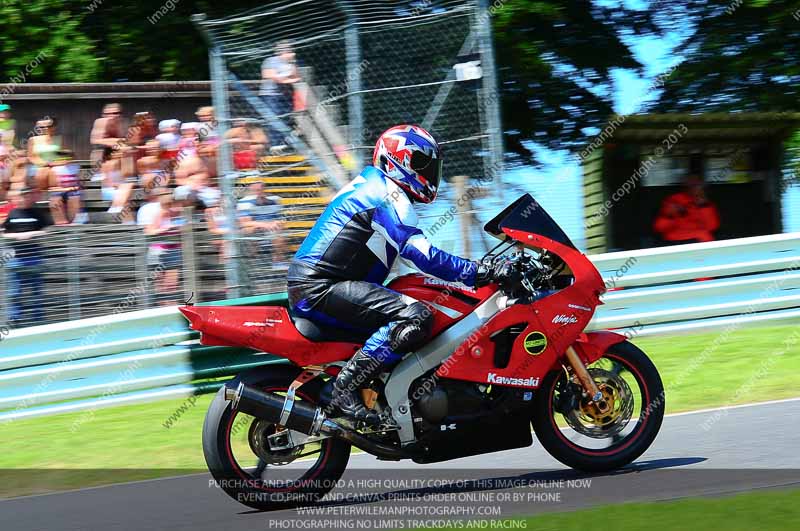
(150,355)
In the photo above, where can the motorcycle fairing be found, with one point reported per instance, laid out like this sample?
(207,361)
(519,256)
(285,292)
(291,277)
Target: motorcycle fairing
(557,320)
(266,329)
(270,328)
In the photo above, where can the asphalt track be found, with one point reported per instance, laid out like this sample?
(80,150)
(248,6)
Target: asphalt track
(696,454)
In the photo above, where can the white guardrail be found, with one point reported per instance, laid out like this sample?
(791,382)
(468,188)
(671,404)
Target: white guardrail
(149,355)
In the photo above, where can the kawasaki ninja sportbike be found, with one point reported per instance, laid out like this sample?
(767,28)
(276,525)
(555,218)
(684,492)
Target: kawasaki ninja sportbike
(502,359)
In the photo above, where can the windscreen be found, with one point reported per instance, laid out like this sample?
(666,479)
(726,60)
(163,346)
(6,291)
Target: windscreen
(528,215)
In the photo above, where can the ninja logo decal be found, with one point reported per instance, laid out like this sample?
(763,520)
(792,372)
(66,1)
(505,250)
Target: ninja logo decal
(535,343)
(564,319)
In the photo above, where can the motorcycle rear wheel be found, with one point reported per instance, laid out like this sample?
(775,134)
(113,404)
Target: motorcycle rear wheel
(246,478)
(583,439)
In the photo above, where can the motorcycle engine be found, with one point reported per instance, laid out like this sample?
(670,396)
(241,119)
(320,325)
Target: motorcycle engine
(453,418)
(446,399)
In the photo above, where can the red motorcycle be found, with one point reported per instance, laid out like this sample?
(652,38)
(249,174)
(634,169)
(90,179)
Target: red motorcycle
(502,358)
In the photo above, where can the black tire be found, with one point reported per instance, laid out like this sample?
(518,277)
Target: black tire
(238,483)
(628,448)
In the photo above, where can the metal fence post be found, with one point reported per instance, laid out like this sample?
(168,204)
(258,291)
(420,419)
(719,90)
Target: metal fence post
(233,265)
(355,98)
(461,183)
(142,272)
(491,96)
(74,273)
(5,257)
(189,257)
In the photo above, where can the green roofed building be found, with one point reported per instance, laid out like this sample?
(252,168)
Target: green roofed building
(638,160)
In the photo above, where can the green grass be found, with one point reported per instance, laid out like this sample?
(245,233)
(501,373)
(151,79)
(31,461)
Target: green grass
(719,369)
(763,511)
(749,365)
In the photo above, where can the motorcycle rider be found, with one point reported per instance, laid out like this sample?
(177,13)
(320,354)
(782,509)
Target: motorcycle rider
(336,277)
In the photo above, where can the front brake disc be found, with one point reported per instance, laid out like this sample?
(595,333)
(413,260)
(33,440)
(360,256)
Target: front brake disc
(588,420)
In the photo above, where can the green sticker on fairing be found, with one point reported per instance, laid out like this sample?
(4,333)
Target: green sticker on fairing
(535,343)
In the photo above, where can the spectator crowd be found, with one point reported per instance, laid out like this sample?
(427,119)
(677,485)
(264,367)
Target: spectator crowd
(149,171)
(146,155)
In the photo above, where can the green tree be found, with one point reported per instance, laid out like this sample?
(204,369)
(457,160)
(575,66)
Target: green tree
(555,61)
(148,41)
(555,58)
(43,40)
(741,56)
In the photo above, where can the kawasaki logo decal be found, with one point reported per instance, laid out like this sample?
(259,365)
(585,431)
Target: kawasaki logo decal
(493,378)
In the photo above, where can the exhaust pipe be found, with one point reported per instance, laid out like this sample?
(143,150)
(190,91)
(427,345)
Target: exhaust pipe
(299,416)
(292,414)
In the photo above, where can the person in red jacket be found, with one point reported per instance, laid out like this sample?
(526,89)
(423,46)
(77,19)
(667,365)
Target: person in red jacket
(687,216)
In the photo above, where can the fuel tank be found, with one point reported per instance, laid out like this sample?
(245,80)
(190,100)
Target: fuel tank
(449,301)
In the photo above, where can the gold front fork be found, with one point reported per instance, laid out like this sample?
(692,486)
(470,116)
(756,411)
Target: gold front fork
(586,380)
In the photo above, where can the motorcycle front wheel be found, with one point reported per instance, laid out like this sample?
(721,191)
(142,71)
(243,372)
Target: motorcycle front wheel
(574,431)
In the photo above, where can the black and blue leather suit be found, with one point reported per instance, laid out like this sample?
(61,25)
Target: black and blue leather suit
(336,277)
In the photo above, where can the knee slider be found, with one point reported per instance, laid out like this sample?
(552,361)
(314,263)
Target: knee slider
(412,329)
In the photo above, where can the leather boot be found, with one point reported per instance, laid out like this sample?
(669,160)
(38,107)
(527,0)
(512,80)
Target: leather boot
(356,375)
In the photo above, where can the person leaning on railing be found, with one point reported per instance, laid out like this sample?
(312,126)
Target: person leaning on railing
(279,75)
(687,216)
(260,215)
(164,255)
(24,225)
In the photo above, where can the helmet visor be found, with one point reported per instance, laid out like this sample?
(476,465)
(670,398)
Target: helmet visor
(428,167)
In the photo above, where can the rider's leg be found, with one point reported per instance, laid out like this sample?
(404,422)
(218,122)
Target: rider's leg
(381,351)
(400,323)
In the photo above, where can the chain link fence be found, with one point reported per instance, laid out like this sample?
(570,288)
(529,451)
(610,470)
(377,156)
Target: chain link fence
(362,66)
(94,270)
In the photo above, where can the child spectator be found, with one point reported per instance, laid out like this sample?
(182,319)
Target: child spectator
(115,188)
(148,211)
(65,188)
(169,139)
(188,143)
(151,168)
(164,254)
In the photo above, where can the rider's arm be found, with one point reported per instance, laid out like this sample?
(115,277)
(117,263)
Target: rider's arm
(396,221)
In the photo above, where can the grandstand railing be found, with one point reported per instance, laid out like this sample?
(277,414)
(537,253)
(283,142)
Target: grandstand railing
(150,355)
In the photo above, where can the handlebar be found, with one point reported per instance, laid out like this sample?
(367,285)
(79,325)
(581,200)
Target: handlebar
(521,274)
